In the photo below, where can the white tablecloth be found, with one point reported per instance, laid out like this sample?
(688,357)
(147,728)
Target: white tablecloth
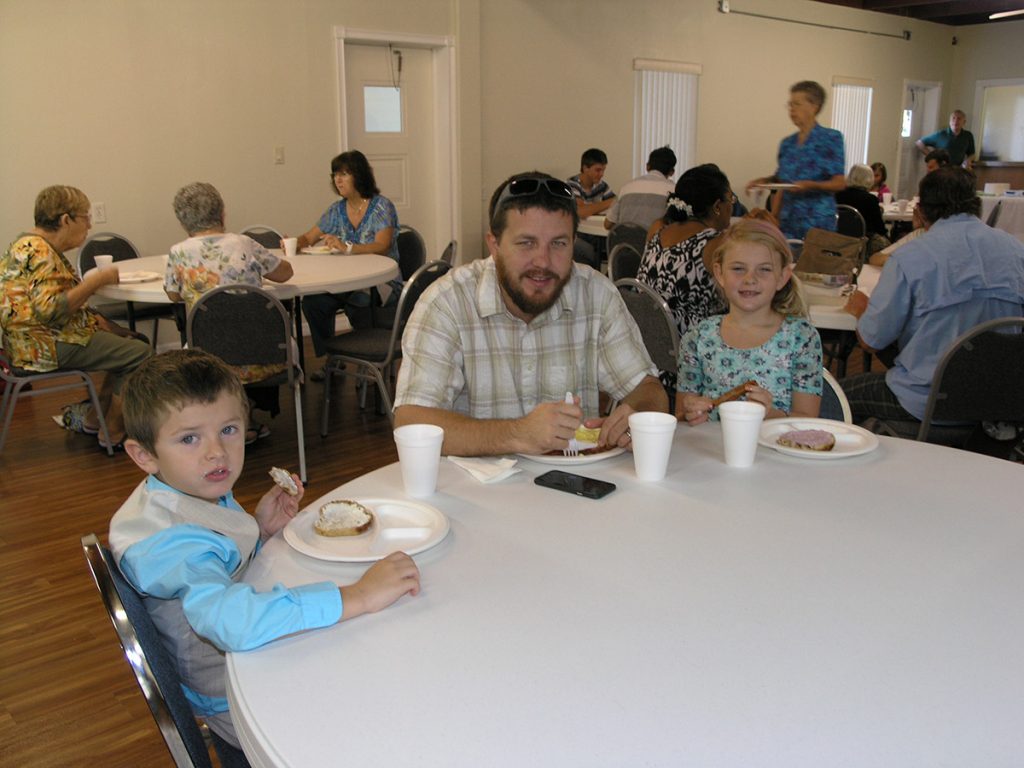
(858,612)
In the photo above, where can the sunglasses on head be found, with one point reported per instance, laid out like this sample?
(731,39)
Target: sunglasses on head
(531,186)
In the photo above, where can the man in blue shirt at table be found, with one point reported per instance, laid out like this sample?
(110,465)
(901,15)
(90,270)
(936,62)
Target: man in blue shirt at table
(184,543)
(958,274)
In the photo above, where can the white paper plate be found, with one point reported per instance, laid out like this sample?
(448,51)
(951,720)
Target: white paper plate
(574,461)
(127,278)
(398,525)
(775,186)
(319,249)
(851,440)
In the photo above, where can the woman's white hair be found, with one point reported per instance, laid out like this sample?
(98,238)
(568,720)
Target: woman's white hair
(860,176)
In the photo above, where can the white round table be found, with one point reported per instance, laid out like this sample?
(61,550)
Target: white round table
(865,611)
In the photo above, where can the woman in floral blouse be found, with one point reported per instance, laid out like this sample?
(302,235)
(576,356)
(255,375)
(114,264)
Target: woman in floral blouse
(211,257)
(43,314)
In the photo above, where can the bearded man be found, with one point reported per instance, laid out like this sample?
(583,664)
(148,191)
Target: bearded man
(493,347)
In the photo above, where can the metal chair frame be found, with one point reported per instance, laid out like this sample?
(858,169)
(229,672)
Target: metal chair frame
(829,381)
(664,357)
(624,254)
(412,251)
(234,334)
(16,379)
(372,370)
(448,257)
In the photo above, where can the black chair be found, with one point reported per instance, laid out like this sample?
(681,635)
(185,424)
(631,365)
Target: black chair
(155,671)
(246,325)
(412,251)
(633,234)
(448,257)
(122,249)
(656,323)
(369,353)
(268,237)
(623,262)
(850,222)
(979,379)
(585,253)
(17,379)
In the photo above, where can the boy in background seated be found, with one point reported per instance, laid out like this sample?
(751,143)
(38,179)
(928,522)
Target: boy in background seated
(184,543)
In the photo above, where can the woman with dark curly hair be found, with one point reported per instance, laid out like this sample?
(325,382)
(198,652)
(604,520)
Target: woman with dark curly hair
(362,221)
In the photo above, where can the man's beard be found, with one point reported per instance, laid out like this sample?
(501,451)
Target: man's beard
(526,304)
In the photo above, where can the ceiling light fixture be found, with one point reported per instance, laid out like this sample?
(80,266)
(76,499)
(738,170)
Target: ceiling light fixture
(1004,14)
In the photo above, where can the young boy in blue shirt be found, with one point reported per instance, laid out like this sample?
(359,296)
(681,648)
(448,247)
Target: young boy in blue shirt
(184,543)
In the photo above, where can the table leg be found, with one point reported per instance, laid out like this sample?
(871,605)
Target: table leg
(297,309)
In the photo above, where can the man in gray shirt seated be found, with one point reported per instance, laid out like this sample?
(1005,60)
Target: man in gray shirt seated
(644,199)
(493,347)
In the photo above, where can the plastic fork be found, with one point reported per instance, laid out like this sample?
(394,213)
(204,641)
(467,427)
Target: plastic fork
(573,449)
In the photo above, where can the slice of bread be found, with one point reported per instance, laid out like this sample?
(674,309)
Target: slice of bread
(808,439)
(343,518)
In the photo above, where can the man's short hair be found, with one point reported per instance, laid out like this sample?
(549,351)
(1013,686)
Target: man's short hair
(663,160)
(53,202)
(593,156)
(948,191)
(940,156)
(171,381)
(549,194)
(959,112)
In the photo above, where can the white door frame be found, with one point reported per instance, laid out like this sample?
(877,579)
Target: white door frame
(442,49)
(933,118)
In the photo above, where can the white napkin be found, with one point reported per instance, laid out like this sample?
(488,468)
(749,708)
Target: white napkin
(486,470)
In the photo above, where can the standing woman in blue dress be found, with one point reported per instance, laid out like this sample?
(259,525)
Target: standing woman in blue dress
(362,221)
(813,160)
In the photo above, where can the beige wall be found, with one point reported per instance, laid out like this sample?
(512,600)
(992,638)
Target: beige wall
(984,52)
(129,99)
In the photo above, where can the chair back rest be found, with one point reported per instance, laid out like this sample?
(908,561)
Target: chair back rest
(268,237)
(655,321)
(980,376)
(834,403)
(448,257)
(118,246)
(584,253)
(412,251)
(993,217)
(633,234)
(623,261)
(850,221)
(414,287)
(242,325)
(155,671)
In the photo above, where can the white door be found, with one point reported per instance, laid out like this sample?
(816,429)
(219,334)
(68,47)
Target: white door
(389,93)
(921,105)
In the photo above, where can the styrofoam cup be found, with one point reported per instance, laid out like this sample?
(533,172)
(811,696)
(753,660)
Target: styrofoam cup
(887,197)
(104,260)
(741,427)
(419,454)
(903,205)
(291,246)
(651,433)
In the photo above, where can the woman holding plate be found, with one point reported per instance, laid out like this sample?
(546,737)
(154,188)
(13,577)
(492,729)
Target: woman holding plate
(362,221)
(811,165)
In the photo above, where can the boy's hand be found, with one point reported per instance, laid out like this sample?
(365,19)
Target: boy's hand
(277,508)
(385,582)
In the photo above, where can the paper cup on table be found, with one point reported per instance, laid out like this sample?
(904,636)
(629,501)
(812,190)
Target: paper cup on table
(104,260)
(741,427)
(903,205)
(652,434)
(291,245)
(887,197)
(419,454)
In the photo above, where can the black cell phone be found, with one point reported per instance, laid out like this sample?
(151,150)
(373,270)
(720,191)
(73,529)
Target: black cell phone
(577,484)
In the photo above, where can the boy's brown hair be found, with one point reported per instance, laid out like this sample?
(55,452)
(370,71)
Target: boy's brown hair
(170,381)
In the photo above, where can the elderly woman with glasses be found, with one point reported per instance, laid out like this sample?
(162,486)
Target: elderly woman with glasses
(362,221)
(812,161)
(43,314)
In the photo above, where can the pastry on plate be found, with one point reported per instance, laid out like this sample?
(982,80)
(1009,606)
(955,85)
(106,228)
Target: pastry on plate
(808,439)
(343,518)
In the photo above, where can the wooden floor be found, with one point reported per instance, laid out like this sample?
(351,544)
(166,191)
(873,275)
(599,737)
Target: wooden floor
(67,696)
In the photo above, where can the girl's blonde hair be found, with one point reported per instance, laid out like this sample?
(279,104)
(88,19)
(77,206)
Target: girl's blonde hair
(788,300)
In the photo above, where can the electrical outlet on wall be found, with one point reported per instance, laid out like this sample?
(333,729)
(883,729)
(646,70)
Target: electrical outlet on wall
(278,155)
(99,213)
